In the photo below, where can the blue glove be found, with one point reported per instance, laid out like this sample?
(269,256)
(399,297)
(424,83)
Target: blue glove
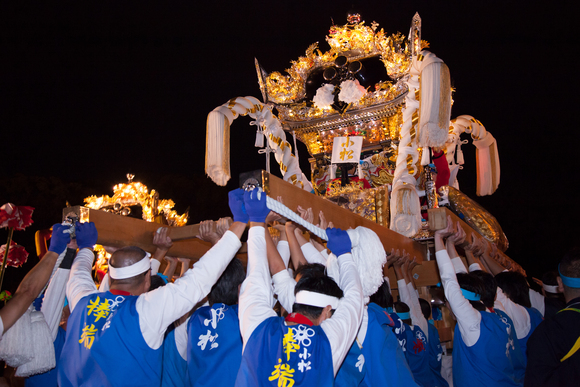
(338,241)
(86,235)
(236,202)
(59,238)
(257,209)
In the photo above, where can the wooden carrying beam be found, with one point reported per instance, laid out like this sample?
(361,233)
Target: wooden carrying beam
(469,230)
(293,196)
(120,231)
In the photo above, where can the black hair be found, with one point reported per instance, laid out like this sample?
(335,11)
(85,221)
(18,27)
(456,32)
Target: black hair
(425,308)
(309,270)
(570,264)
(401,307)
(319,284)
(382,297)
(156,282)
(515,287)
(225,290)
(549,278)
(489,287)
(473,284)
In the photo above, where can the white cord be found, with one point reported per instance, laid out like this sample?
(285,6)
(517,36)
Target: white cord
(281,209)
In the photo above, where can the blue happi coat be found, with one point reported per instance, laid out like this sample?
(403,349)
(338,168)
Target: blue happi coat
(496,358)
(353,370)
(174,366)
(280,355)
(214,348)
(435,356)
(384,359)
(535,319)
(105,347)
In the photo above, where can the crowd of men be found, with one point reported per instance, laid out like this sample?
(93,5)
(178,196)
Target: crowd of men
(286,320)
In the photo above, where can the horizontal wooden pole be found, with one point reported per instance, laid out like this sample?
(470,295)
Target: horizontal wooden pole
(293,197)
(121,231)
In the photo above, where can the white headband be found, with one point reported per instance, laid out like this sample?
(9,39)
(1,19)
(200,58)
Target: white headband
(131,270)
(551,288)
(319,300)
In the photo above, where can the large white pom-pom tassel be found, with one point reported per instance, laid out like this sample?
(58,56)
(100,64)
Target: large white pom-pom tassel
(369,257)
(43,348)
(16,343)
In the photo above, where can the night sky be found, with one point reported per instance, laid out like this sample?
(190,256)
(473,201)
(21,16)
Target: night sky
(91,91)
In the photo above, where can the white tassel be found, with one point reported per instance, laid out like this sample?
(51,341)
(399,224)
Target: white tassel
(259,139)
(16,343)
(332,169)
(426,156)
(43,348)
(360,171)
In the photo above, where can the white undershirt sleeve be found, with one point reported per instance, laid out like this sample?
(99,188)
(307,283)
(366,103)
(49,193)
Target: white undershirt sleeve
(516,312)
(81,282)
(312,254)
(341,329)
(474,266)
(284,286)
(458,265)
(159,308)
(468,318)
(284,251)
(105,283)
(53,301)
(155,266)
(256,291)
(181,339)
(416,314)
(537,300)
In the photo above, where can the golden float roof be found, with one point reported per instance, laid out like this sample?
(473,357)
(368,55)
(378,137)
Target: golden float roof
(134,193)
(355,41)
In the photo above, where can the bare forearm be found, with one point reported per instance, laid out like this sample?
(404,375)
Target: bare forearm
(170,269)
(296,254)
(275,261)
(28,290)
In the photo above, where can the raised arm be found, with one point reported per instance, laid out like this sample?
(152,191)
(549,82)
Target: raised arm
(256,291)
(413,301)
(35,280)
(468,318)
(81,282)
(54,296)
(296,254)
(341,329)
(456,238)
(159,308)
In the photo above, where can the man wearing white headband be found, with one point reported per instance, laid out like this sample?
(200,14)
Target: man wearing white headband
(554,347)
(308,347)
(114,338)
(485,349)
(553,298)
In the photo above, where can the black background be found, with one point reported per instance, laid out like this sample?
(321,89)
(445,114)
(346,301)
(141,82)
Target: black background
(91,91)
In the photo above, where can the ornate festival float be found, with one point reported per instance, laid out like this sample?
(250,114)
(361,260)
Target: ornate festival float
(374,111)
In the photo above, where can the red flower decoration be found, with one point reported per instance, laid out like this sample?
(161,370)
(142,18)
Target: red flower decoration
(17,255)
(16,217)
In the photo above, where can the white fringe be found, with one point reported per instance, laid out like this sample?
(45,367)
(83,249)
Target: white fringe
(43,348)
(16,344)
